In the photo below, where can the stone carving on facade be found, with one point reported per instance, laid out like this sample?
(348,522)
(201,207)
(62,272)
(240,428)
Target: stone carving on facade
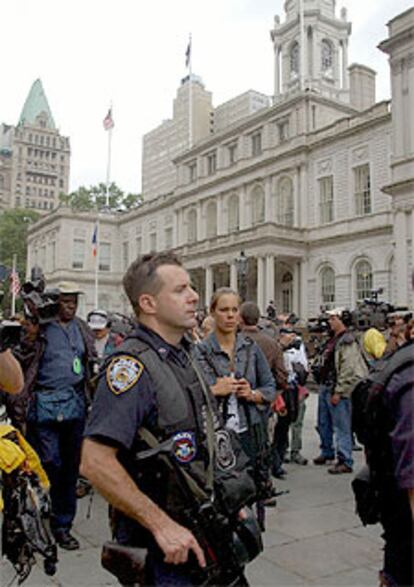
(324,167)
(360,154)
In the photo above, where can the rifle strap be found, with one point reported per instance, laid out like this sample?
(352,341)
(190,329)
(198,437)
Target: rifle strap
(151,440)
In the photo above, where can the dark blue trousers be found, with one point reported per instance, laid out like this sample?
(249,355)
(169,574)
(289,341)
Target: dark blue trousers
(58,445)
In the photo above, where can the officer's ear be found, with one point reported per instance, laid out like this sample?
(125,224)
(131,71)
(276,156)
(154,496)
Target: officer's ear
(147,304)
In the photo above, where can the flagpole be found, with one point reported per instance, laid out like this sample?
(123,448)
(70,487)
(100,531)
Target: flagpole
(13,304)
(190,97)
(108,166)
(97,260)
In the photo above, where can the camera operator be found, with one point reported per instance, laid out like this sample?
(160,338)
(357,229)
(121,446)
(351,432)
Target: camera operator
(343,365)
(56,352)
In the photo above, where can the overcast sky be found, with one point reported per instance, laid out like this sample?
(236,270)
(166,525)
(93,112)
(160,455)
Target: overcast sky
(131,52)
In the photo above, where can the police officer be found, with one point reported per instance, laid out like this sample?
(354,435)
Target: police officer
(152,384)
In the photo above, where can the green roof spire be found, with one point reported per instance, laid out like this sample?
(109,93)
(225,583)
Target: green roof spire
(36,103)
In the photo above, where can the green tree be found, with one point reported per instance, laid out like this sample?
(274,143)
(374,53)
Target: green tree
(95,197)
(14,225)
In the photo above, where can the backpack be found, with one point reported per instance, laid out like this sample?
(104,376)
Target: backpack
(369,414)
(372,424)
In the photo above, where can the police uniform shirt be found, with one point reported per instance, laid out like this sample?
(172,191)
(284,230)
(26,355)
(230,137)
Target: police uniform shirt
(125,399)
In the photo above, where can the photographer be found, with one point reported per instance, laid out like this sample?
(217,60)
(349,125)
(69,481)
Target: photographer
(56,353)
(343,366)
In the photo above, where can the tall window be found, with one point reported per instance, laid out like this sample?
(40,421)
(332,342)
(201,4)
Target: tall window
(153,241)
(326,199)
(192,226)
(287,292)
(364,280)
(232,153)
(104,256)
(294,60)
(285,205)
(256,143)
(211,220)
(125,255)
(192,171)
(258,205)
(78,253)
(168,238)
(362,190)
(326,57)
(138,246)
(211,163)
(328,287)
(234,213)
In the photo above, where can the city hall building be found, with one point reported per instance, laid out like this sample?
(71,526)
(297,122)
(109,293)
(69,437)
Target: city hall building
(314,186)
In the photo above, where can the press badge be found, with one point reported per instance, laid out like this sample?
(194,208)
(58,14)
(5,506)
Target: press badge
(77,366)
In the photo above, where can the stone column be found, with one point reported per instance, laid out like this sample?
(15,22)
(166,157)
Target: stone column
(209,285)
(401,260)
(260,283)
(233,276)
(268,199)
(277,70)
(303,294)
(296,288)
(344,64)
(270,279)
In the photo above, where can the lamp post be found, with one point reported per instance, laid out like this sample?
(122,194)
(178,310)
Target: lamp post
(241,266)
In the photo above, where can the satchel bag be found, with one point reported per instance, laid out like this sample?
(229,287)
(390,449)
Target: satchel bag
(57,406)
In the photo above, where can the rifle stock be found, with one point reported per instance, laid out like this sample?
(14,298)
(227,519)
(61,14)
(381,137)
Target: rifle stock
(127,563)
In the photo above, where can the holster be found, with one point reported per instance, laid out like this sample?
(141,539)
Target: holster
(127,563)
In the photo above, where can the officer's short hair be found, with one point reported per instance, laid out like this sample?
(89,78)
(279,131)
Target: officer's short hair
(141,276)
(250,313)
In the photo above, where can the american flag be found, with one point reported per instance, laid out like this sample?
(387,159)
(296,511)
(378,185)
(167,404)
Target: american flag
(108,121)
(14,282)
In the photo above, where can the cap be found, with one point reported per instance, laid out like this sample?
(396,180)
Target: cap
(335,312)
(68,287)
(97,319)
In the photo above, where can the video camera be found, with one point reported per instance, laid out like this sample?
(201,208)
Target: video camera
(41,305)
(9,334)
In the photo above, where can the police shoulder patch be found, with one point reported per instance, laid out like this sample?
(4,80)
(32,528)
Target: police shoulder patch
(122,373)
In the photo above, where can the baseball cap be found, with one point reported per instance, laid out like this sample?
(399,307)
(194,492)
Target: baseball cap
(68,287)
(97,319)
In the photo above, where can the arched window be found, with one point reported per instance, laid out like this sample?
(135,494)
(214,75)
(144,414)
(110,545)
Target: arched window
(258,205)
(234,215)
(287,292)
(192,226)
(211,220)
(285,205)
(328,287)
(294,59)
(326,57)
(364,280)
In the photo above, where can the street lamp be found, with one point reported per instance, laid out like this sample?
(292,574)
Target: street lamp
(241,266)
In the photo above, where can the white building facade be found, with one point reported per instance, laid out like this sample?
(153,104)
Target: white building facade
(317,189)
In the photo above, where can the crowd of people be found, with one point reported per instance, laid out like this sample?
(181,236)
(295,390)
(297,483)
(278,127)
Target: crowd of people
(184,418)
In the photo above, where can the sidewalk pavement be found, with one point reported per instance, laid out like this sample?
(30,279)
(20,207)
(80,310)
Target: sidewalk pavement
(313,536)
